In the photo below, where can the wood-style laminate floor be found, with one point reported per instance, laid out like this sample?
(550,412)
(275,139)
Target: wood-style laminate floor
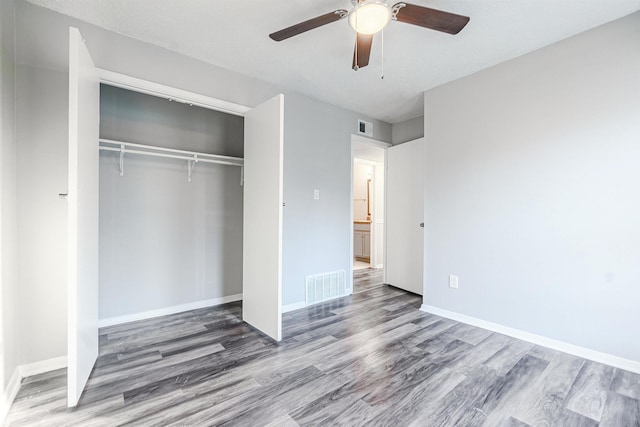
(368,359)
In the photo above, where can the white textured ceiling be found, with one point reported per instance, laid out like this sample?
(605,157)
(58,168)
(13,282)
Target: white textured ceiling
(233,34)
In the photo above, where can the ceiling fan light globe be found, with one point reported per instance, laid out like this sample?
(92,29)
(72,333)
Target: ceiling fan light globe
(369,17)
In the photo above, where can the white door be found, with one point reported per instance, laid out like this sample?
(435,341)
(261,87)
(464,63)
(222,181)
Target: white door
(262,222)
(82,202)
(404,236)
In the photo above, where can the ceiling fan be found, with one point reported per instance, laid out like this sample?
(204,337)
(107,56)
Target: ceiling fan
(367,17)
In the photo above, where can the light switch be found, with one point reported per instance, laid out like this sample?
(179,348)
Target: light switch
(316,194)
(453,281)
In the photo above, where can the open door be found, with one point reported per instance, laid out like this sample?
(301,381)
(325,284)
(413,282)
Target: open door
(82,202)
(262,222)
(404,237)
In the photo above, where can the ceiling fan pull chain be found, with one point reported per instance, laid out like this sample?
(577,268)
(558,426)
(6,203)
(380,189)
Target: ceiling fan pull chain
(382,55)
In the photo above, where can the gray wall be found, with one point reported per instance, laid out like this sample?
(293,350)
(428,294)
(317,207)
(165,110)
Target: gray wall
(165,241)
(42,43)
(532,191)
(407,131)
(8,219)
(42,131)
(317,155)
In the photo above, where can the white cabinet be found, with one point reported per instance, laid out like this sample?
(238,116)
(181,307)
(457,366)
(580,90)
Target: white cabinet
(366,245)
(357,244)
(362,241)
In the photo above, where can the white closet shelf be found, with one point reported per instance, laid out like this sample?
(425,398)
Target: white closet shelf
(192,157)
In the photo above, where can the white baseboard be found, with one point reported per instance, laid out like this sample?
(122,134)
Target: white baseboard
(110,321)
(23,371)
(586,353)
(302,304)
(9,394)
(42,366)
(295,306)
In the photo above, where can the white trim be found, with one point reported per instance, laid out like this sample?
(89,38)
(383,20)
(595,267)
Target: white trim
(110,321)
(376,142)
(23,371)
(35,368)
(292,307)
(384,227)
(351,214)
(596,356)
(9,394)
(373,262)
(179,95)
(365,162)
(302,304)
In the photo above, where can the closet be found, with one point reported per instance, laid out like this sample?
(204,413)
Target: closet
(182,237)
(170,216)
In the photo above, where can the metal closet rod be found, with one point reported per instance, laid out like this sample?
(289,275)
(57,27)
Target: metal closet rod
(191,157)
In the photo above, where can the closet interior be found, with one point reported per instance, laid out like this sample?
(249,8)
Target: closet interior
(171,201)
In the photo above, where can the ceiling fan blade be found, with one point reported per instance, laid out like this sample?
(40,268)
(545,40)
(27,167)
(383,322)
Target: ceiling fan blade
(429,18)
(310,24)
(362,51)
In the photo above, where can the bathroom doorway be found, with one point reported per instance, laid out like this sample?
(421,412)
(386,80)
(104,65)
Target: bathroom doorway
(368,202)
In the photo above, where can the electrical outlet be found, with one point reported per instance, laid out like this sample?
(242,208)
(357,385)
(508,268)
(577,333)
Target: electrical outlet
(453,281)
(316,194)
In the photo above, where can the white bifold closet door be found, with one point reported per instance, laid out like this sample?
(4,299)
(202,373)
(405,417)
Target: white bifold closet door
(262,222)
(405,216)
(82,202)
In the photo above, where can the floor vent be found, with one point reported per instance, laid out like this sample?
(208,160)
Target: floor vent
(326,286)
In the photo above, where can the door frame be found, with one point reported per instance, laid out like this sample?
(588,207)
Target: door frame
(183,96)
(148,87)
(359,139)
(168,92)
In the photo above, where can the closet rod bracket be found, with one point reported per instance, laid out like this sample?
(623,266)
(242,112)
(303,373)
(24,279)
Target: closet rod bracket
(190,165)
(121,159)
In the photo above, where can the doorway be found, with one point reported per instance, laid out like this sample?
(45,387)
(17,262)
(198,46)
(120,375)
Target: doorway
(368,202)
